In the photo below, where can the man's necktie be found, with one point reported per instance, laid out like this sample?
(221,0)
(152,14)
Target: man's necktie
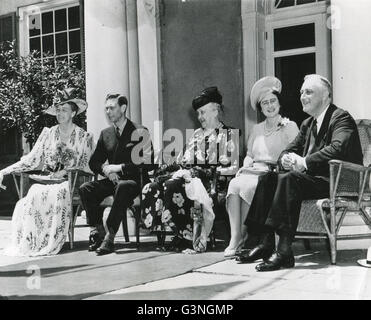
(313,136)
(118,135)
(314,128)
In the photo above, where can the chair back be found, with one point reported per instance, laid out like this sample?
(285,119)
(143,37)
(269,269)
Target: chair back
(364,130)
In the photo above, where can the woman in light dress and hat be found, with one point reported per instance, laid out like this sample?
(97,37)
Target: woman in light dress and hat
(41,220)
(266,142)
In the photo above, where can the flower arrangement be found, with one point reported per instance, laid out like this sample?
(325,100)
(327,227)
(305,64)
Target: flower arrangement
(62,157)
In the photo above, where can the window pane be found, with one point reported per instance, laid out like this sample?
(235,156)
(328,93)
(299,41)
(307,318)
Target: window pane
(48,44)
(34,25)
(76,58)
(74,17)
(291,71)
(74,41)
(60,20)
(61,43)
(284,3)
(305,1)
(294,37)
(47,22)
(35,44)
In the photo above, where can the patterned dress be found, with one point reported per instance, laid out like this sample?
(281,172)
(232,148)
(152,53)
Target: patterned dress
(41,220)
(167,207)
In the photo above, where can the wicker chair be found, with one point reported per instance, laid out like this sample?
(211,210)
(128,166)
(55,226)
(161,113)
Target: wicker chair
(349,192)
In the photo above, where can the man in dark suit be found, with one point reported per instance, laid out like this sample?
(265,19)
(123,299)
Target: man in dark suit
(330,133)
(127,146)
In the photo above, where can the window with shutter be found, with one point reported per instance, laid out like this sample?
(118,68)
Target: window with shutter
(10,141)
(10,146)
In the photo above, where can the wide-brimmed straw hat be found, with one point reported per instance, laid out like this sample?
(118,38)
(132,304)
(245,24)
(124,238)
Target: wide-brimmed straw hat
(366,262)
(262,87)
(65,96)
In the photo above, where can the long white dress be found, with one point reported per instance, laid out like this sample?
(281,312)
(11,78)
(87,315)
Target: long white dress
(41,220)
(262,147)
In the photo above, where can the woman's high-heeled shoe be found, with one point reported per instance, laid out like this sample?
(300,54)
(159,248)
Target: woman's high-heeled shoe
(230,253)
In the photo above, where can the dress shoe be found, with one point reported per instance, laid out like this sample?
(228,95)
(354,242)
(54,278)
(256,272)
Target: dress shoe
(259,252)
(106,247)
(95,240)
(276,262)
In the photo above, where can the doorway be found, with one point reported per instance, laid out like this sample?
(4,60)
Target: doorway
(295,47)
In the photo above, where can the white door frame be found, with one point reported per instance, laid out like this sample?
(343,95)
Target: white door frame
(321,48)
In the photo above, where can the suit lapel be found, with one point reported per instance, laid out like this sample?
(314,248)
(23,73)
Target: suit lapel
(321,137)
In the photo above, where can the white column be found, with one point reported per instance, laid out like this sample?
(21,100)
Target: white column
(133,60)
(351,52)
(106,55)
(149,62)
(253,21)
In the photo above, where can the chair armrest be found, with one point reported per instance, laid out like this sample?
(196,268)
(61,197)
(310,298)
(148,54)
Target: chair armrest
(349,165)
(348,179)
(81,172)
(26,173)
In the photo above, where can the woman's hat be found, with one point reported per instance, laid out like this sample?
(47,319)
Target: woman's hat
(65,96)
(262,87)
(210,94)
(366,262)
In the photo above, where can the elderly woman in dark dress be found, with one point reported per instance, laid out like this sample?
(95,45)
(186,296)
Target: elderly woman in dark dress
(178,199)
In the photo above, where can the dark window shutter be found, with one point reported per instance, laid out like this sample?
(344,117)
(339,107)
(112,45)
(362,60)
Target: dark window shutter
(82,33)
(10,146)
(7,27)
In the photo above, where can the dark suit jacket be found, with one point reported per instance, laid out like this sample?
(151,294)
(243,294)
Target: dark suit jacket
(337,139)
(132,151)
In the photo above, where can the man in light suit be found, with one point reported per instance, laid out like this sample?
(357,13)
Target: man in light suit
(329,133)
(126,146)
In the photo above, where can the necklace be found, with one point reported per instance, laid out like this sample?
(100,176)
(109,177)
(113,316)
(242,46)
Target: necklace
(269,131)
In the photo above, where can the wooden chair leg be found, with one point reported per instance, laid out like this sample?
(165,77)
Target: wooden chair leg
(161,236)
(125,227)
(333,249)
(307,244)
(137,222)
(212,239)
(71,234)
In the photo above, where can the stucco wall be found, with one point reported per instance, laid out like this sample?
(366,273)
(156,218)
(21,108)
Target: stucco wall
(8,6)
(351,51)
(200,46)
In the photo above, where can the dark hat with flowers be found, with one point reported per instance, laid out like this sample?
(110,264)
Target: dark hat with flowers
(65,96)
(210,94)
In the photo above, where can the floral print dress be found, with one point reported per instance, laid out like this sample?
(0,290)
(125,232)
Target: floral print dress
(167,207)
(41,220)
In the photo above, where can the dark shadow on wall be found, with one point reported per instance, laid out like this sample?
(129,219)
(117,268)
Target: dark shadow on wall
(201,46)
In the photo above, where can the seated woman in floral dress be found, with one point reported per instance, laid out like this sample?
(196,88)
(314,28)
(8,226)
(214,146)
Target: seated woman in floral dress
(41,220)
(178,199)
(266,142)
